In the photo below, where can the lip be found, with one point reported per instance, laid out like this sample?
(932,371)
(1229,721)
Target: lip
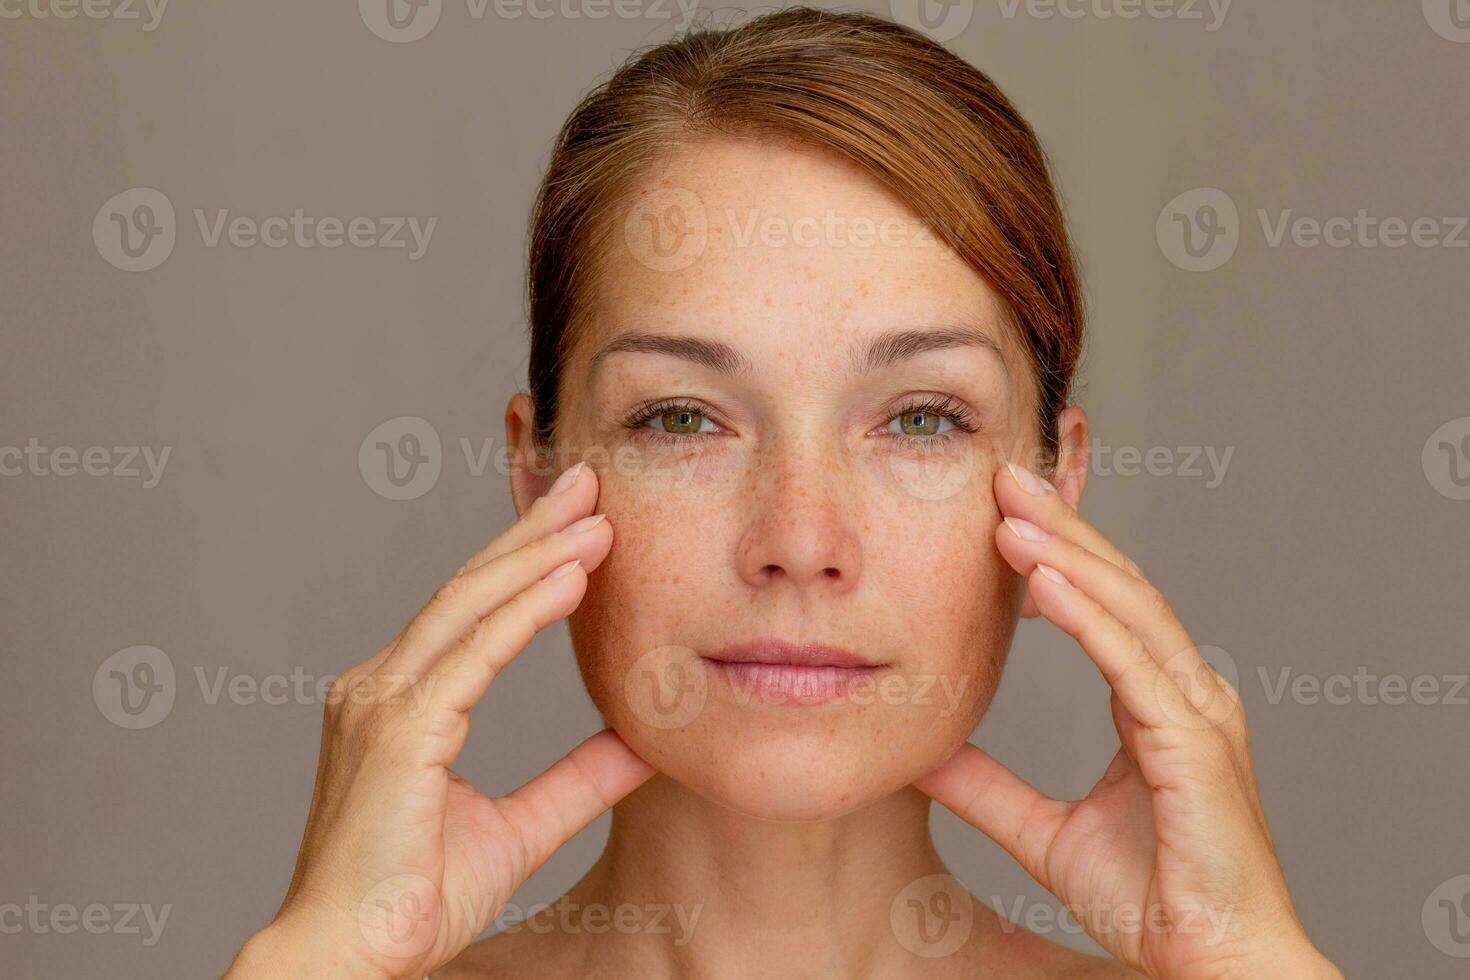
(778,652)
(776,671)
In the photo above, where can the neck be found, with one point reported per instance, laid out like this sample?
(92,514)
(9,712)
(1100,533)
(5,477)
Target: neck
(776,899)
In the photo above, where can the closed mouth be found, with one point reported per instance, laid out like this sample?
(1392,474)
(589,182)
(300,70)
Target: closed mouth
(783,672)
(777,652)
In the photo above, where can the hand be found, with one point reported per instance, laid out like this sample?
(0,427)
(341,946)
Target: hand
(1167,862)
(404,863)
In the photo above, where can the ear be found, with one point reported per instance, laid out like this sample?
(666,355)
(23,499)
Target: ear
(530,477)
(1070,475)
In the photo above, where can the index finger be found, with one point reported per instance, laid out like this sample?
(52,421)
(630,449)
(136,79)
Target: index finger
(569,497)
(1021,493)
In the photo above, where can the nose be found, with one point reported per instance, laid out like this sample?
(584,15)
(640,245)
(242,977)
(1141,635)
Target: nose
(802,528)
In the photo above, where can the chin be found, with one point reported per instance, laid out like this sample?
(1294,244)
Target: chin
(784,759)
(792,777)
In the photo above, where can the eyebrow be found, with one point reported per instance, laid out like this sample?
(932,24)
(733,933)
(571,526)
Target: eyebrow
(881,351)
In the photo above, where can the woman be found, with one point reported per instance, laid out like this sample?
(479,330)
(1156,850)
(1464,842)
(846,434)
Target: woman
(804,309)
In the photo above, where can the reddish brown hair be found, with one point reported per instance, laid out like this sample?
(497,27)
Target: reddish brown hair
(933,129)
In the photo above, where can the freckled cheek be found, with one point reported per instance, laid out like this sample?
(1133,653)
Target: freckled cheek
(942,575)
(652,588)
(951,477)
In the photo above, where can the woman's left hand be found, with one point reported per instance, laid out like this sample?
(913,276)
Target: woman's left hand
(1167,862)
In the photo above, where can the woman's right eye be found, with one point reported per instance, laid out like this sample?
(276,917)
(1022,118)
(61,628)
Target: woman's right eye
(673,421)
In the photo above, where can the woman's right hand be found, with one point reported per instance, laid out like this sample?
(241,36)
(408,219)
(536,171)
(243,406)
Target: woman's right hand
(403,863)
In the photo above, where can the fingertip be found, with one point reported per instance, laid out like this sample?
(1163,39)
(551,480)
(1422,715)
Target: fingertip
(563,570)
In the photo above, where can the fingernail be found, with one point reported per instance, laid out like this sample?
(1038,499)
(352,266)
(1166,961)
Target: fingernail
(1053,574)
(585,524)
(564,569)
(1025,530)
(565,481)
(1029,481)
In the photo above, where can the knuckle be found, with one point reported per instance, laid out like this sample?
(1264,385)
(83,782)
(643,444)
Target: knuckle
(379,725)
(451,593)
(1154,605)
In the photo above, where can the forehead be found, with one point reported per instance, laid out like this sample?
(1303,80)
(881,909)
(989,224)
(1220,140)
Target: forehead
(780,249)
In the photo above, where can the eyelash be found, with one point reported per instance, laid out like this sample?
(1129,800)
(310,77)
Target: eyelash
(947,407)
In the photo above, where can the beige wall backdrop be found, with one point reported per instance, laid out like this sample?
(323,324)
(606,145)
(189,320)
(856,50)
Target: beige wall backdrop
(1282,423)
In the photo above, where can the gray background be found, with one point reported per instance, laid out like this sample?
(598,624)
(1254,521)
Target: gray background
(1328,548)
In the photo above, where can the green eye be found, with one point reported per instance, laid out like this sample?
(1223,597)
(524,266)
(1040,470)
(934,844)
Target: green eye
(672,421)
(682,422)
(919,423)
(931,422)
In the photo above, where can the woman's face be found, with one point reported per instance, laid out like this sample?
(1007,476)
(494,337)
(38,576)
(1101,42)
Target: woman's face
(812,359)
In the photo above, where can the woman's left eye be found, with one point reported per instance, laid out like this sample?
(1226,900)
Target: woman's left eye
(921,424)
(931,420)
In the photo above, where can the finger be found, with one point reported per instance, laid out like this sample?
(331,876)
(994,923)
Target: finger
(460,678)
(468,598)
(1146,691)
(571,496)
(1000,804)
(1126,725)
(1021,493)
(1130,599)
(551,808)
